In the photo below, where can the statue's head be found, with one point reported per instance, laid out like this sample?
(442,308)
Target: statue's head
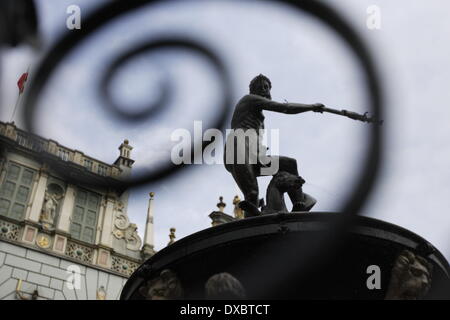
(224,286)
(411,276)
(166,286)
(261,86)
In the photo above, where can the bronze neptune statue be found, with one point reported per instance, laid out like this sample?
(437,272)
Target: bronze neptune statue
(246,157)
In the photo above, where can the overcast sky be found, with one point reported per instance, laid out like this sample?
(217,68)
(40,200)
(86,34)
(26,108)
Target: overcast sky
(306,63)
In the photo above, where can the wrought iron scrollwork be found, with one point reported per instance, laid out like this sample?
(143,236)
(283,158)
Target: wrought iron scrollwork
(116,9)
(91,24)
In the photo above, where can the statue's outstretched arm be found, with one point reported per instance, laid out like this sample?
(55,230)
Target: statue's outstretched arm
(287,108)
(293,108)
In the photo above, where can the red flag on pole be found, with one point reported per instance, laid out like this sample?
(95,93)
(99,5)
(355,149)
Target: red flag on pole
(21,82)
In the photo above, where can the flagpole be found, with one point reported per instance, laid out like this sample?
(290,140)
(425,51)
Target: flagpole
(15,107)
(18,96)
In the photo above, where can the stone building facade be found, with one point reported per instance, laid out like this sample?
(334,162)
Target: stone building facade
(61,237)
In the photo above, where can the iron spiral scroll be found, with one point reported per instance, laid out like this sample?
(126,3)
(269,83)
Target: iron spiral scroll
(115,9)
(325,14)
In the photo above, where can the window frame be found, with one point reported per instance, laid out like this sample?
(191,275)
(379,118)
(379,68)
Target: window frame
(63,154)
(18,183)
(83,224)
(102,170)
(88,164)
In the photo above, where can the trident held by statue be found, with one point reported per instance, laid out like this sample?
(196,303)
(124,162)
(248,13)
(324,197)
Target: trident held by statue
(352,115)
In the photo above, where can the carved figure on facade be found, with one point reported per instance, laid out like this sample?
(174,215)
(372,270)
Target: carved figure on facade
(53,195)
(166,286)
(411,277)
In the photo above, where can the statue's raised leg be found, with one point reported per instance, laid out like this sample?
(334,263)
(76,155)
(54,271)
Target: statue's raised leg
(245,178)
(300,200)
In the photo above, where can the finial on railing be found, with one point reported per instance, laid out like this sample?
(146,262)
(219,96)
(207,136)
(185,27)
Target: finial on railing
(221,205)
(172,236)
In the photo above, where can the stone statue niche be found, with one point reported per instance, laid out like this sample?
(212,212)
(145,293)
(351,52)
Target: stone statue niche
(50,209)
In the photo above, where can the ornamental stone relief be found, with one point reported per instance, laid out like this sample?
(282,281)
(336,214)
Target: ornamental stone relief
(9,231)
(123,266)
(43,241)
(123,229)
(79,252)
